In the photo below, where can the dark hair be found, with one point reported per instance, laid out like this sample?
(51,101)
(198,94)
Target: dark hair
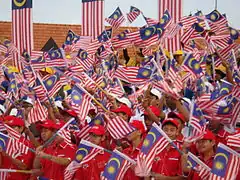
(169,123)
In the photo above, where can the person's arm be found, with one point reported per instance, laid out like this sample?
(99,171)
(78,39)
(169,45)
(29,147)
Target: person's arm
(125,55)
(16,162)
(31,137)
(184,164)
(151,115)
(162,177)
(182,109)
(58,160)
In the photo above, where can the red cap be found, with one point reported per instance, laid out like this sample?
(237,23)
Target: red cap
(155,110)
(170,120)
(208,135)
(176,115)
(123,108)
(14,121)
(59,124)
(98,130)
(71,112)
(138,125)
(49,124)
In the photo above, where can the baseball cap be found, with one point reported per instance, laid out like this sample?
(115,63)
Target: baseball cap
(170,120)
(14,121)
(98,130)
(156,92)
(138,125)
(48,124)
(178,52)
(71,112)
(176,115)
(208,135)
(123,108)
(154,109)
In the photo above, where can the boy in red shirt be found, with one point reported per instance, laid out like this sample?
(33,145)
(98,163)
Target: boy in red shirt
(206,149)
(17,160)
(93,168)
(51,161)
(136,139)
(167,164)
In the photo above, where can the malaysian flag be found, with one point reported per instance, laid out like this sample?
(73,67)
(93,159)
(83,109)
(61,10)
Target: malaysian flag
(217,22)
(57,58)
(12,145)
(121,40)
(117,166)
(118,128)
(52,84)
(197,120)
(85,152)
(92,17)
(153,144)
(80,102)
(197,165)
(116,18)
(192,65)
(133,14)
(22,28)
(175,9)
(226,163)
(234,140)
(97,120)
(150,21)
(135,75)
(37,113)
(84,59)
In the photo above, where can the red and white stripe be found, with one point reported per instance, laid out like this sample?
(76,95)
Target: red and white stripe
(115,23)
(175,8)
(37,113)
(118,128)
(92,18)
(132,16)
(188,21)
(22,33)
(234,140)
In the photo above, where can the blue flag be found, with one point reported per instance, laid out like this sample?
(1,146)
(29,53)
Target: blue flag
(16,4)
(3,141)
(117,161)
(214,16)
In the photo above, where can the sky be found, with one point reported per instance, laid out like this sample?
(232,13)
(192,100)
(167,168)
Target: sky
(69,11)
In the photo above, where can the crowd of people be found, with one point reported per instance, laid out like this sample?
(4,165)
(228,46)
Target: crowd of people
(105,121)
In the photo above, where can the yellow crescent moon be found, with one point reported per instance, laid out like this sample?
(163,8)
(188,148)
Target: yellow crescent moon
(189,164)
(224,89)
(115,159)
(58,54)
(116,14)
(153,135)
(19,4)
(222,155)
(4,143)
(70,36)
(79,157)
(217,15)
(190,62)
(160,30)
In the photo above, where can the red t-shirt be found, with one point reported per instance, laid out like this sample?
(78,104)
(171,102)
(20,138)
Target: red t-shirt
(92,169)
(51,169)
(168,162)
(27,159)
(195,175)
(132,153)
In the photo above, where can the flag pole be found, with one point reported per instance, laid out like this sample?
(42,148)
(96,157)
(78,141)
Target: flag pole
(216,4)
(16,171)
